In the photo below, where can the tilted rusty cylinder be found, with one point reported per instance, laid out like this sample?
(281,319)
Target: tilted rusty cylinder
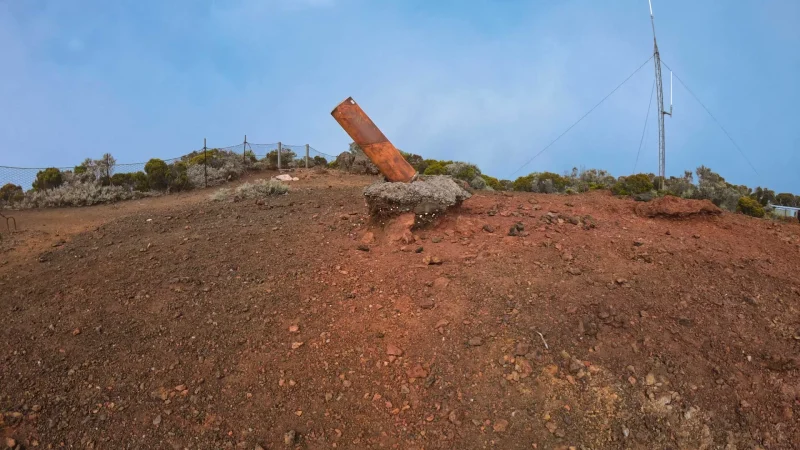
(369,138)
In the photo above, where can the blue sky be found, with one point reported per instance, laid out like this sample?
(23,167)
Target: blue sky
(491,82)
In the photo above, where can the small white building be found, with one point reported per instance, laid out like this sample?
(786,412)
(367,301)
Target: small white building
(784,211)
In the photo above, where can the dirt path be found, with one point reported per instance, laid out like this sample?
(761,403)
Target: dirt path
(238,325)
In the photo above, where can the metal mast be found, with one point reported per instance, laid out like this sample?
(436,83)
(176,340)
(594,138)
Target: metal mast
(662,145)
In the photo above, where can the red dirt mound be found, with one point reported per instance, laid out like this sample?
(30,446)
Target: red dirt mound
(677,208)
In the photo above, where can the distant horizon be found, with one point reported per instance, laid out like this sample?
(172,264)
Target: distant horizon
(484,83)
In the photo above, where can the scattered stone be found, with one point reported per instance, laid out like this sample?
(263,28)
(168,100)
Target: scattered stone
(500,426)
(488,228)
(417,372)
(76,331)
(442,323)
(294,328)
(157,420)
(650,379)
(574,271)
(296,345)
(575,365)
(522,349)
(750,300)
(436,239)
(10,442)
(426,303)
(290,437)
(368,238)
(638,242)
(475,341)
(454,418)
(551,427)
(393,350)
(441,283)
(432,260)
(418,250)
(696,236)
(516,229)
(363,247)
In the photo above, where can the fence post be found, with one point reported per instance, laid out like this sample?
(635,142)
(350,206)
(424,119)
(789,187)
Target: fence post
(108,169)
(205,164)
(306,156)
(244,150)
(280,150)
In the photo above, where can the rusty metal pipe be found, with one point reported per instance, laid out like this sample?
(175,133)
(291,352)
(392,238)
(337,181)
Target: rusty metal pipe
(372,141)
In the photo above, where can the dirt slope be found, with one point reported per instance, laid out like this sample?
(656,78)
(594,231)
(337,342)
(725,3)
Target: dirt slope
(193,324)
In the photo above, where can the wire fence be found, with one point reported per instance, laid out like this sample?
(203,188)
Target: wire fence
(289,157)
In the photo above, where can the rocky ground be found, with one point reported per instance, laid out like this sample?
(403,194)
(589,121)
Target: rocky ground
(522,321)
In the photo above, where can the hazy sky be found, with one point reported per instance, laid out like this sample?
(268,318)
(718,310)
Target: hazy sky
(491,82)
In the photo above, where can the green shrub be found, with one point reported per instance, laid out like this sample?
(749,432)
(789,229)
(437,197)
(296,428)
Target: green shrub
(493,182)
(80,169)
(544,182)
(208,157)
(158,174)
(11,193)
(287,158)
(632,185)
(750,207)
(250,156)
(178,177)
(463,171)
(48,179)
(435,168)
(524,183)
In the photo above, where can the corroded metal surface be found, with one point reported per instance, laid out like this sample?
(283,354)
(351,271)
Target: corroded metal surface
(372,141)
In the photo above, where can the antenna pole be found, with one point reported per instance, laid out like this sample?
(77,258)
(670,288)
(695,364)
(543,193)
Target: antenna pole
(662,145)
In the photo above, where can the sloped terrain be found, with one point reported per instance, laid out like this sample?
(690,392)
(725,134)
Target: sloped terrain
(297,323)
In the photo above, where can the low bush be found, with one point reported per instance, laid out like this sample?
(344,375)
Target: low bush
(158,174)
(750,207)
(542,182)
(48,179)
(11,193)
(493,182)
(136,181)
(436,168)
(80,194)
(256,189)
(632,185)
(287,159)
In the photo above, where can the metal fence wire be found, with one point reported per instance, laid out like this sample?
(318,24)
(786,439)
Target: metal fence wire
(274,156)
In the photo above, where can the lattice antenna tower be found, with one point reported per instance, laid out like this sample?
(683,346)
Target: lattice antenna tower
(662,144)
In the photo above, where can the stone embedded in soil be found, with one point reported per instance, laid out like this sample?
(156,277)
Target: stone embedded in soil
(475,341)
(442,323)
(488,228)
(441,283)
(290,437)
(426,303)
(294,328)
(522,348)
(574,271)
(500,426)
(363,248)
(417,372)
(393,350)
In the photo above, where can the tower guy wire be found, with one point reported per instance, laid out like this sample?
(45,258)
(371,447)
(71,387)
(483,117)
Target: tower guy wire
(646,118)
(582,117)
(719,124)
